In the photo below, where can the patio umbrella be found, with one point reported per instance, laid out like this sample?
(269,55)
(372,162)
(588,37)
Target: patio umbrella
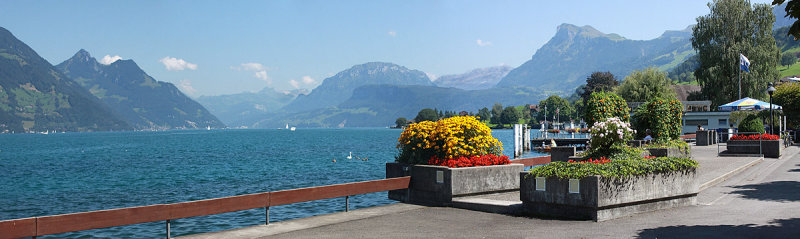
(747,103)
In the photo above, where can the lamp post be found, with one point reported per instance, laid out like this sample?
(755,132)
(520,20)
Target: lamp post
(770,90)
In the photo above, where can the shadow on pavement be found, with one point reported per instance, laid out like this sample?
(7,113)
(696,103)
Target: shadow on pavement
(795,169)
(781,228)
(772,191)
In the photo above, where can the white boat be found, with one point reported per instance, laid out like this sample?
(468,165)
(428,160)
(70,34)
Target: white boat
(287,126)
(208,127)
(292,128)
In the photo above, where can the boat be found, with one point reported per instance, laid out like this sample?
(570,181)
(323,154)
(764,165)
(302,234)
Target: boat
(208,127)
(292,128)
(545,149)
(350,156)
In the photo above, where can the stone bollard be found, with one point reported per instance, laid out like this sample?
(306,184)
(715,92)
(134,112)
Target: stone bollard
(704,138)
(562,153)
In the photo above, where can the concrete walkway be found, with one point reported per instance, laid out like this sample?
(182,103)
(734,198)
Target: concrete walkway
(744,197)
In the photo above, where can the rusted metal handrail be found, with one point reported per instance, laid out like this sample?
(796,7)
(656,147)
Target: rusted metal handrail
(54,224)
(532,161)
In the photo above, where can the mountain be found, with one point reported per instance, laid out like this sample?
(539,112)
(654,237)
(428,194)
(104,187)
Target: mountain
(781,20)
(574,52)
(338,88)
(145,103)
(245,109)
(380,105)
(35,96)
(478,79)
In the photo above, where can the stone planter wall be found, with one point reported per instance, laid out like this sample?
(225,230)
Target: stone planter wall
(600,199)
(437,185)
(770,148)
(669,152)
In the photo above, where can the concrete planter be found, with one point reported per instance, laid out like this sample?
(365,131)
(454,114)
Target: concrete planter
(669,152)
(770,148)
(438,185)
(599,199)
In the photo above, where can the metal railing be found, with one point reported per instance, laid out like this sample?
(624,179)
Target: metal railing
(54,224)
(533,161)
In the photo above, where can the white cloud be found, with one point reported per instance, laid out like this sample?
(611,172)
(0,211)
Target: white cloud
(260,71)
(108,59)
(262,75)
(392,33)
(483,43)
(250,66)
(186,87)
(294,84)
(175,64)
(308,80)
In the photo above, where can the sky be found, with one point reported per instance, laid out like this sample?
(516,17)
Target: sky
(227,47)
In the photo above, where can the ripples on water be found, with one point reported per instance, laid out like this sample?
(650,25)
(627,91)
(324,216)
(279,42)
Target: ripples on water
(76,172)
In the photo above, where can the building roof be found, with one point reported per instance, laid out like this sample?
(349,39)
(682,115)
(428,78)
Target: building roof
(683,90)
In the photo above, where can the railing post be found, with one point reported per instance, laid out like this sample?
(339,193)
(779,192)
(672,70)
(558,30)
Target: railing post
(168,229)
(346,203)
(267,215)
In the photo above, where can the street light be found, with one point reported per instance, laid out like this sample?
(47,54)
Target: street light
(770,90)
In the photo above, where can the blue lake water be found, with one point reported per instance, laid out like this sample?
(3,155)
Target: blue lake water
(76,172)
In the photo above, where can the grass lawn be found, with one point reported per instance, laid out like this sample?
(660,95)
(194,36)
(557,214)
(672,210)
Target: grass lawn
(792,70)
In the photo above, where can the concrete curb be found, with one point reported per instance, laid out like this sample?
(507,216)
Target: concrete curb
(488,205)
(307,222)
(727,175)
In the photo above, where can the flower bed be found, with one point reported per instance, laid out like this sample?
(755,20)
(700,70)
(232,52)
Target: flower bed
(769,148)
(472,161)
(453,139)
(462,159)
(611,180)
(603,189)
(755,137)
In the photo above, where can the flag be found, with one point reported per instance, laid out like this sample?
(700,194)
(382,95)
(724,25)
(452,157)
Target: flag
(744,63)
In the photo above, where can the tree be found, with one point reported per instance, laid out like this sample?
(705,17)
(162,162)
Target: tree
(599,81)
(497,110)
(483,114)
(401,122)
(555,103)
(788,97)
(793,11)
(427,115)
(788,59)
(641,86)
(510,115)
(732,28)
(603,105)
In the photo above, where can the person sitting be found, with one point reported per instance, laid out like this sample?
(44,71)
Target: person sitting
(649,135)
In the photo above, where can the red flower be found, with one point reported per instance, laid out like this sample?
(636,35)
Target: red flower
(472,161)
(755,137)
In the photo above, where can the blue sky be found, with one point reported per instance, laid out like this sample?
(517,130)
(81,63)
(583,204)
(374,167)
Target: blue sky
(225,47)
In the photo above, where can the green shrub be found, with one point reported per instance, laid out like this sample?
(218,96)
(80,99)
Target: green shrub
(615,168)
(752,123)
(662,116)
(603,105)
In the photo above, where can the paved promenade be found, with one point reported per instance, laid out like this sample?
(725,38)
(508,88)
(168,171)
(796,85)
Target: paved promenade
(741,197)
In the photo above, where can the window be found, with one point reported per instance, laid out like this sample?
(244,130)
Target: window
(723,123)
(695,122)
